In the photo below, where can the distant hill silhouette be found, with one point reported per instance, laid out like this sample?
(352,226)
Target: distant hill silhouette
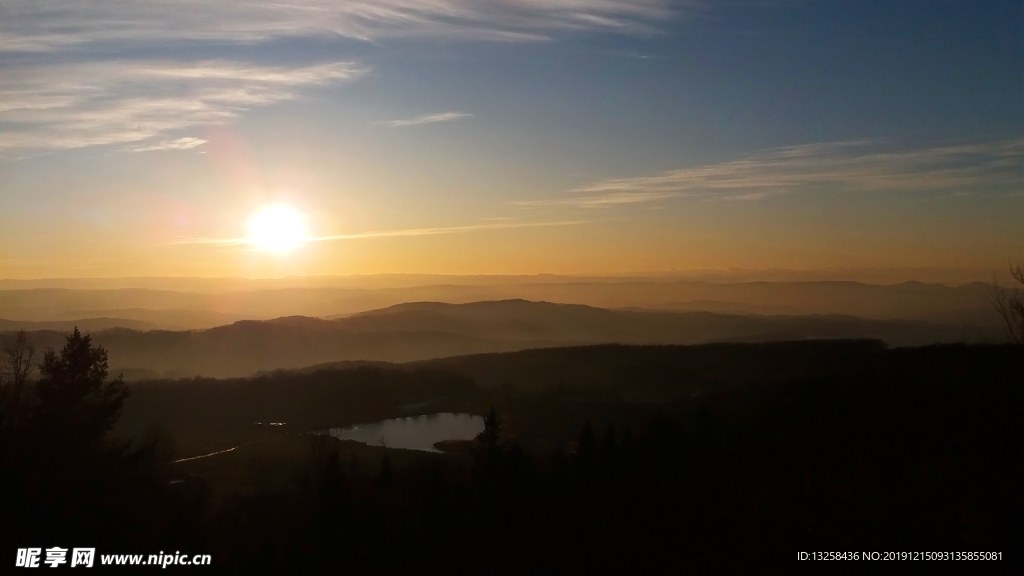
(544,321)
(87,324)
(177,309)
(425,330)
(164,319)
(718,306)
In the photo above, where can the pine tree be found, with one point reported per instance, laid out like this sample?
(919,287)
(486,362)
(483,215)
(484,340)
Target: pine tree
(75,399)
(491,434)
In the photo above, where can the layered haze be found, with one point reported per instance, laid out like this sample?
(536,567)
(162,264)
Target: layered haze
(425,330)
(216,302)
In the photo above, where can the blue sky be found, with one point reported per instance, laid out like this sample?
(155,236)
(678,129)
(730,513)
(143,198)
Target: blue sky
(512,136)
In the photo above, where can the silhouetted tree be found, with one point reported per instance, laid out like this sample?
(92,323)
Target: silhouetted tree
(1009,302)
(60,479)
(74,396)
(325,458)
(491,434)
(17,363)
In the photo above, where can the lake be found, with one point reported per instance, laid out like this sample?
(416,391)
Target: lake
(414,432)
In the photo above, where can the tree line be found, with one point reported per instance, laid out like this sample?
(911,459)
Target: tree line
(911,448)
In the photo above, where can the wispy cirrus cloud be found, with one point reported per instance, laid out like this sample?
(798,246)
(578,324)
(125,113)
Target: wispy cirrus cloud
(65,106)
(179,144)
(391,233)
(603,200)
(426,119)
(51,25)
(849,166)
(69,79)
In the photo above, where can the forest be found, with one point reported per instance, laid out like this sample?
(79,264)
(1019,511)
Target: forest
(709,456)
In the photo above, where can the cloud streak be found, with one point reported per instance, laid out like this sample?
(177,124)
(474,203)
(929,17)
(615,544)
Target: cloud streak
(392,233)
(598,201)
(839,166)
(116,102)
(179,144)
(54,25)
(426,119)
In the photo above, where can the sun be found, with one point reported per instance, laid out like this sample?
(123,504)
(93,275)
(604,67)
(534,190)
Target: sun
(277,228)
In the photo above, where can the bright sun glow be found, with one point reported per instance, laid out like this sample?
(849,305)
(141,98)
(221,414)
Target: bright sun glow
(278,228)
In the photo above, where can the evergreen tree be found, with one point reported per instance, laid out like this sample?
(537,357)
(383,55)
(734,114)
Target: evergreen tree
(492,430)
(75,399)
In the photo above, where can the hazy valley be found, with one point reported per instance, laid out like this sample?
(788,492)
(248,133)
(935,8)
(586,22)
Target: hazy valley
(419,331)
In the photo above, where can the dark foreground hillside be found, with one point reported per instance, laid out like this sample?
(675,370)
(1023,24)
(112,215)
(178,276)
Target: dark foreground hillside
(716,457)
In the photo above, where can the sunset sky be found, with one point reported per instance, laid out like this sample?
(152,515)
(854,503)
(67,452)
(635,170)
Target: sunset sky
(142,137)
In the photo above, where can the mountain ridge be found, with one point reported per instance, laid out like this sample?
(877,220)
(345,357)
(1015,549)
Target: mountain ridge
(426,330)
(178,310)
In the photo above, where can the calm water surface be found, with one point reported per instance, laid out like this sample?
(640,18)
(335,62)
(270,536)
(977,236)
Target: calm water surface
(414,432)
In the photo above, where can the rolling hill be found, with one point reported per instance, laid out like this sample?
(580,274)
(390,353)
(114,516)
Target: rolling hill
(180,310)
(86,324)
(425,330)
